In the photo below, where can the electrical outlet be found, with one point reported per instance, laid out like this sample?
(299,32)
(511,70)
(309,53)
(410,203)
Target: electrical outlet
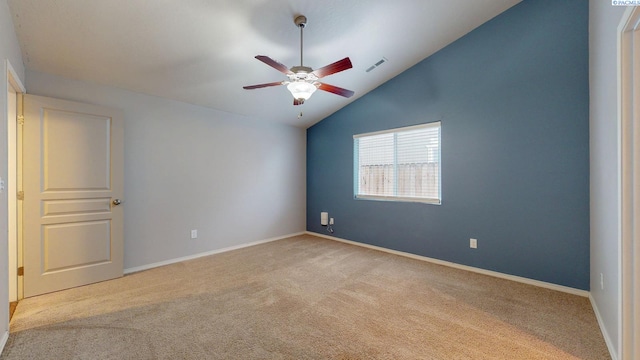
(601,281)
(473,243)
(194,234)
(330,221)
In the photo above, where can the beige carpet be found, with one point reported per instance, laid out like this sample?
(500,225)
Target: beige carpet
(305,298)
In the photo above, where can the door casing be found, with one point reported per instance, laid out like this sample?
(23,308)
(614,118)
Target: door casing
(15,91)
(629,195)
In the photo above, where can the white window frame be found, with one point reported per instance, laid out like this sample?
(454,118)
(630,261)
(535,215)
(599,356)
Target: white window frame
(356,167)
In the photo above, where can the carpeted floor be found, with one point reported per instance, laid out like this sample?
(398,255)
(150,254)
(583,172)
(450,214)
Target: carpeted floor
(305,298)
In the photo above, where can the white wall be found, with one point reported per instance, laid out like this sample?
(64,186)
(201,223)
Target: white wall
(9,50)
(604,165)
(234,179)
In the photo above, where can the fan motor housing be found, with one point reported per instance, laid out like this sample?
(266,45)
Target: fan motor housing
(302,72)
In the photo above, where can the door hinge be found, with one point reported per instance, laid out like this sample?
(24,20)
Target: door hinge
(21,271)
(20,195)
(20,119)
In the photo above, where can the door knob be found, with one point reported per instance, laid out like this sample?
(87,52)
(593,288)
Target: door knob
(117,202)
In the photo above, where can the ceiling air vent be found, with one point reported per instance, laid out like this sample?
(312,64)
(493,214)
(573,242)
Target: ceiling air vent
(380,62)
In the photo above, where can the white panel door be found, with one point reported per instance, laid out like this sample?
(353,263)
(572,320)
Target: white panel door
(73,184)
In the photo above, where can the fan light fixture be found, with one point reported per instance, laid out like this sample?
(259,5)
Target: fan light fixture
(301,90)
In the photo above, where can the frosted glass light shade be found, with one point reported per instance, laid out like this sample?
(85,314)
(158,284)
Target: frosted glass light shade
(301,89)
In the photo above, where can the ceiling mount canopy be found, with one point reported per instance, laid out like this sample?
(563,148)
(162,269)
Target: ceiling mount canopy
(302,80)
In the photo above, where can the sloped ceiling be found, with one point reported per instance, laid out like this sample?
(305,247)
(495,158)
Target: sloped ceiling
(202,51)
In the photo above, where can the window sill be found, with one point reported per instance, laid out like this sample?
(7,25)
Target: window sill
(399,199)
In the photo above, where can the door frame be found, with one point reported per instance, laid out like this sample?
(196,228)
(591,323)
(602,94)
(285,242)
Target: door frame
(629,195)
(14,85)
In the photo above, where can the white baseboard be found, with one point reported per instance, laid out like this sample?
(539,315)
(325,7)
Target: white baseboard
(603,330)
(519,279)
(207,253)
(3,341)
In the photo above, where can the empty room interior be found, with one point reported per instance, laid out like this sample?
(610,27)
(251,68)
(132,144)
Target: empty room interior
(441,179)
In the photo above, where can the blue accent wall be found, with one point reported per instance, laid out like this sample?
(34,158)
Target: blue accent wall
(513,98)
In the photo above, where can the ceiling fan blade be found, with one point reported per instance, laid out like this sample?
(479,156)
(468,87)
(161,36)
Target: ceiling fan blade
(250,87)
(336,90)
(274,64)
(337,66)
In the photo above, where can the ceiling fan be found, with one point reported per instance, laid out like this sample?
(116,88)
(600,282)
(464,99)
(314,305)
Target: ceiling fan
(303,80)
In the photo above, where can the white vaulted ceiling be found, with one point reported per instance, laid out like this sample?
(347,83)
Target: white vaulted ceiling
(202,51)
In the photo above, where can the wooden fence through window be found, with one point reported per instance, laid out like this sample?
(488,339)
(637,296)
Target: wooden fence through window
(414,180)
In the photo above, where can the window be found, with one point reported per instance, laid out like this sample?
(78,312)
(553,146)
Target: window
(399,164)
